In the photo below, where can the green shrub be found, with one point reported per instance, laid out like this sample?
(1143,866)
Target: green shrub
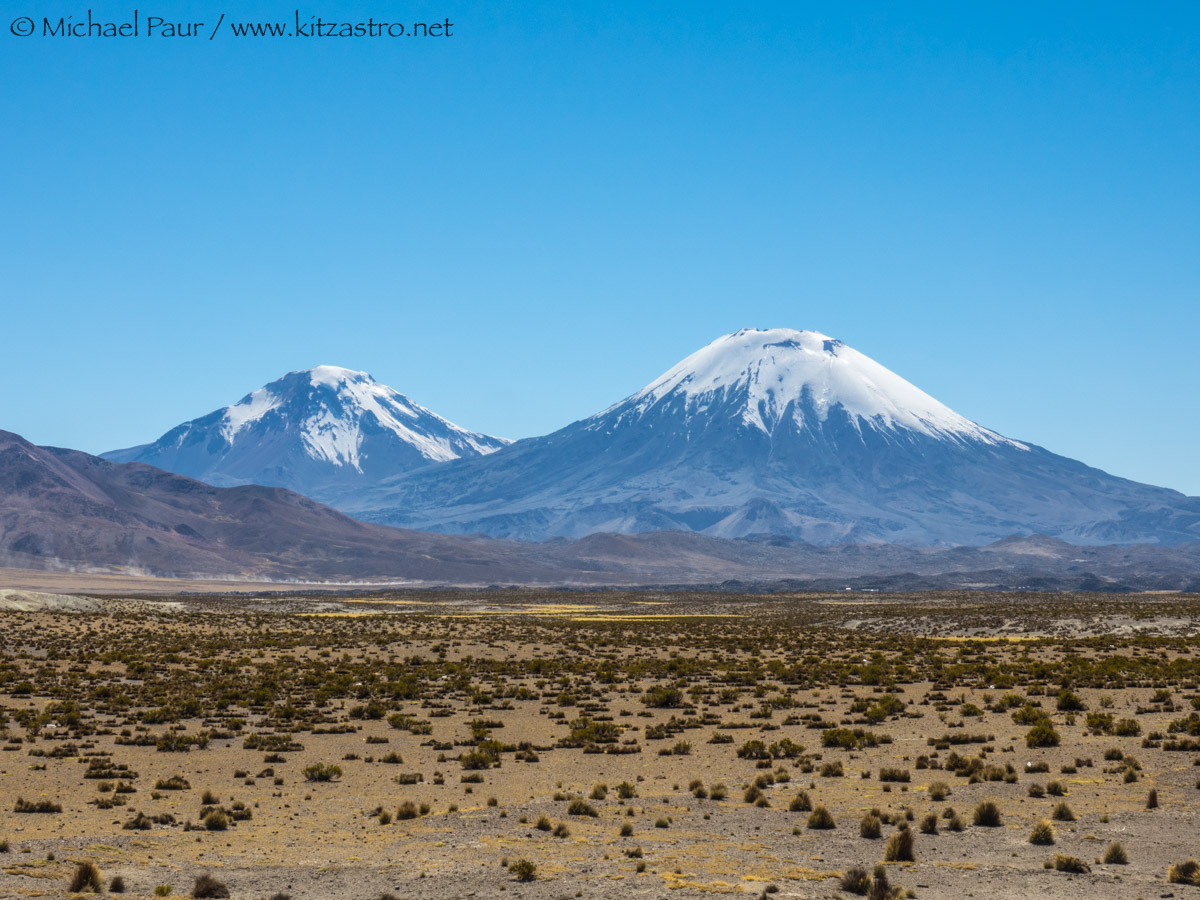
(523,870)
(322,772)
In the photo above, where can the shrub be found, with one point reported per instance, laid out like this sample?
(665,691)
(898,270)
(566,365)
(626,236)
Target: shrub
(821,819)
(833,769)
(627,830)
(1056,789)
(855,881)
(174,783)
(1184,873)
(1115,855)
(663,697)
(899,847)
(582,808)
(938,790)
(1062,812)
(987,815)
(36,806)
(718,792)
(206,886)
(626,791)
(929,824)
(1152,799)
(800,803)
(901,775)
(1042,834)
(1036,791)
(1070,864)
(216,820)
(523,870)
(322,772)
(117,885)
(561,830)
(1042,735)
(543,824)
(406,811)
(87,879)
(870,826)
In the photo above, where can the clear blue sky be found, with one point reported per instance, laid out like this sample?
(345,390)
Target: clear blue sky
(525,222)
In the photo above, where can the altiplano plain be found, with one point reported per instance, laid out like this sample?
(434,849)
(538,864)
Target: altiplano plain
(440,744)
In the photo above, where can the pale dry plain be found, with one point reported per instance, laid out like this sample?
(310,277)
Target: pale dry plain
(509,723)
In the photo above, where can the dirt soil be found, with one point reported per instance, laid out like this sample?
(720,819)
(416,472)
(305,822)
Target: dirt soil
(459,720)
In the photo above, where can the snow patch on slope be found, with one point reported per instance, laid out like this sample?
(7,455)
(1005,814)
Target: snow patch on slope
(774,368)
(249,409)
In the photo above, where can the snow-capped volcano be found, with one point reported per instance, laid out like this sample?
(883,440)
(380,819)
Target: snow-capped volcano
(779,378)
(318,431)
(786,433)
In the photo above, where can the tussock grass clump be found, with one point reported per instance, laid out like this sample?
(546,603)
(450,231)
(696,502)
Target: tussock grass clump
(855,881)
(871,826)
(899,847)
(1073,864)
(987,815)
(1115,855)
(117,885)
(1056,789)
(215,820)
(801,803)
(938,791)
(1063,812)
(87,879)
(718,792)
(36,806)
(580,807)
(1042,834)
(1036,791)
(207,887)
(929,824)
(821,819)
(898,775)
(174,783)
(1152,799)
(1184,873)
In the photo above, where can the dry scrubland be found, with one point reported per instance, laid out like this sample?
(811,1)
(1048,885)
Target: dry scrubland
(546,745)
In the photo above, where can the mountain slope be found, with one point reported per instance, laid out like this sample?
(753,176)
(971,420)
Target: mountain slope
(64,509)
(788,433)
(318,431)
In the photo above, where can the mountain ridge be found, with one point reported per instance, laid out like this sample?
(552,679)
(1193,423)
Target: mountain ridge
(783,432)
(313,431)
